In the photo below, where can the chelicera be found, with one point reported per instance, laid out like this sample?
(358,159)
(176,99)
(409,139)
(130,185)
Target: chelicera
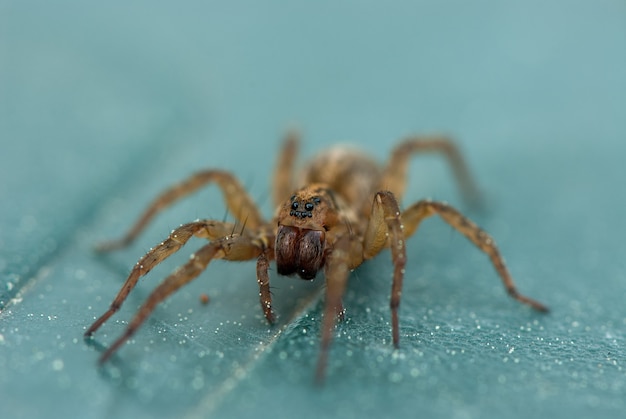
(342,210)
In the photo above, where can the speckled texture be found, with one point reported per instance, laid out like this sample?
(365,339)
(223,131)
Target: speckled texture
(104,105)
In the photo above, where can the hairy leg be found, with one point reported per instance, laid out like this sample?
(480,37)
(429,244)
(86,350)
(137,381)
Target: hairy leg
(385,229)
(237,200)
(229,248)
(394,176)
(336,272)
(205,228)
(414,215)
(263,278)
(283,184)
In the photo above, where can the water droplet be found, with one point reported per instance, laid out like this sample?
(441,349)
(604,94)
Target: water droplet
(395,377)
(57,364)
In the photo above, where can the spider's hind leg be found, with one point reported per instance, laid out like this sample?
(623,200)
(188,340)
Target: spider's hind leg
(414,215)
(395,173)
(237,200)
(283,182)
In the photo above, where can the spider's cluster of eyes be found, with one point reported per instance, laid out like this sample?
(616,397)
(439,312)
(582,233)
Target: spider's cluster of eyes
(308,208)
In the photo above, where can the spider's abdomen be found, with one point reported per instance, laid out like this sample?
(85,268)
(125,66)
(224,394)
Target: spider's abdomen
(299,251)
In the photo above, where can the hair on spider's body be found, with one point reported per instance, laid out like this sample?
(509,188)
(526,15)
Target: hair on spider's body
(342,210)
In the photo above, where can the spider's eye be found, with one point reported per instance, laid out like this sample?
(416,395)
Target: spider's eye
(308,206)
(294,205)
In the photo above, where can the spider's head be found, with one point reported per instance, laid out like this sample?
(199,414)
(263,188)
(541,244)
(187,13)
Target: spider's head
(303,221)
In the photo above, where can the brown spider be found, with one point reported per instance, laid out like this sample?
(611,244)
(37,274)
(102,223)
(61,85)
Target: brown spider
(344,211)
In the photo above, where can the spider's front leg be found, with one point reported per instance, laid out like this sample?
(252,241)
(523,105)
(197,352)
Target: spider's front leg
(336,270)
(231,247)
(204,228)
(385,229)
(263,279)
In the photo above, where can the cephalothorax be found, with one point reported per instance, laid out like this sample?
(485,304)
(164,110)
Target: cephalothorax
(342,210)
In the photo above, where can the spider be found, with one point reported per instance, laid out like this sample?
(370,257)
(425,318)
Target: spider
(341,211)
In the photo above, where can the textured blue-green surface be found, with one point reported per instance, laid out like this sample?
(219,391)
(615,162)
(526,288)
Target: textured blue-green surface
(104,105)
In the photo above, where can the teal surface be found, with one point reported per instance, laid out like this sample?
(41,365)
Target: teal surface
(104,105)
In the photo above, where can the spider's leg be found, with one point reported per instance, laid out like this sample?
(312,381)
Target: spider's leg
(412,217)
(229,248)
(237,200)
(263,278)
(336,271)
(394,175)
(283,174)
(385,229)
(176,240)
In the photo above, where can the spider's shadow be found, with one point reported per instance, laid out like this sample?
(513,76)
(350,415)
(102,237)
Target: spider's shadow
(114,369)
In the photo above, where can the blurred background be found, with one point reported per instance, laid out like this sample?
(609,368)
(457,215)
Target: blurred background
(103,105)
